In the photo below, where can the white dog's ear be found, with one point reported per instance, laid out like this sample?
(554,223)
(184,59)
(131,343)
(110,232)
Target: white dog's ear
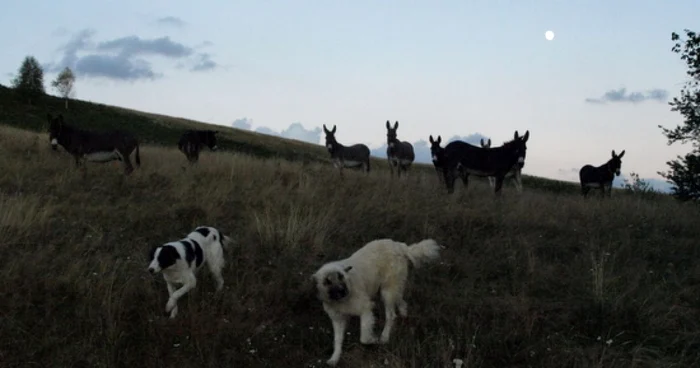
(348,268)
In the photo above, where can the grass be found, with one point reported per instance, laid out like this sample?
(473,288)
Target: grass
(543,279)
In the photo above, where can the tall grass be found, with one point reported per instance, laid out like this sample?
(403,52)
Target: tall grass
(542,279)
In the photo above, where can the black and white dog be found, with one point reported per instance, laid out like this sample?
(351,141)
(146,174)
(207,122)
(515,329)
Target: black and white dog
(180,260)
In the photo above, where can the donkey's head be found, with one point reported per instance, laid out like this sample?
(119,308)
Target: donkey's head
(330,138)
(615,163)
(519,148)
(488,143)
(391,134)
(55,127)
(435,149)
(210,139)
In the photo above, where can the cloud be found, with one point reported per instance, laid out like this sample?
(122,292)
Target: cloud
(125,58)
(293,131)
(621,95)
(242,123)
(421,148)
(172,21)
(204,63)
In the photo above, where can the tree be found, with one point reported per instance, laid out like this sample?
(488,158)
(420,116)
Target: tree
(684,172)
(64,84)
(29,81)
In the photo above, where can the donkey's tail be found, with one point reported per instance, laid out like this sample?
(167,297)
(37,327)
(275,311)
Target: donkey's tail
(138,156)
(425,251)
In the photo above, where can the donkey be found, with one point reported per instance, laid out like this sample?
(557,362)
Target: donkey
(355,156)
(93,146)
(438,153)
(192,141)
(515,173)
(496,162)
(399,153)
(601,176)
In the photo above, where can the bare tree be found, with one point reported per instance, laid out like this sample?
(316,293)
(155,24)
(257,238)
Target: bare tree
(64,84)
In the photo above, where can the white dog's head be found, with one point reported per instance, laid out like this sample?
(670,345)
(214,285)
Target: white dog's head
(332,282)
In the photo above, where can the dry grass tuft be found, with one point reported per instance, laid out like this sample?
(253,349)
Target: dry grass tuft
(538,280)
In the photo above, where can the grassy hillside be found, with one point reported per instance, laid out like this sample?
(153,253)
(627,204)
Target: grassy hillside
(166,130)
(538,280)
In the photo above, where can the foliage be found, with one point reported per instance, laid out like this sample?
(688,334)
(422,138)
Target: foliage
(638,186)
(64,84)
(684,172)
(29,81)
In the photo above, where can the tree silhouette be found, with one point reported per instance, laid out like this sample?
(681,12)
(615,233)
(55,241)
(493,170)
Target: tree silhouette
(64,83)
(29,81)
(684,172)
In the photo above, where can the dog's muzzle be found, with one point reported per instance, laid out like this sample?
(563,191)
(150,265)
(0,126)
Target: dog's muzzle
(54,144)
(215,148)
(151,270)
(337,293)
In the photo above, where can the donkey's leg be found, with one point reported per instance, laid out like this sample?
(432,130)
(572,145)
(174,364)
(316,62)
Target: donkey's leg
(449,177)
(124,157)
(584,190)
(499,184)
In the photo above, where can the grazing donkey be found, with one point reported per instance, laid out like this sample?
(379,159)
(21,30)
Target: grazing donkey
(496,162)
(355,156)
(601,176)
(399,153)
(515,173)
(192,141)
(437,153)
(93,146)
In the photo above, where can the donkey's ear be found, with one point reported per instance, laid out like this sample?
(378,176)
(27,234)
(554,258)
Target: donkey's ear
(515,136)
(489,142)
(334,127)
(431,139)
(388,124)
(325,130)
(613,153)
(621,154)
(396,126)
(439,139)
(482,142)
(526,136)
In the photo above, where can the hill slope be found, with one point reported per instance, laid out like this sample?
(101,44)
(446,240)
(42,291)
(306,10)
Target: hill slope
(538,279)
(166,130)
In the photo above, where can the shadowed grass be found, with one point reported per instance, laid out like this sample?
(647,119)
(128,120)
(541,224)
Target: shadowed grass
(542,279)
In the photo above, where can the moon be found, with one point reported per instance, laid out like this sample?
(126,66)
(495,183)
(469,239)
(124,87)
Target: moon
(549,35)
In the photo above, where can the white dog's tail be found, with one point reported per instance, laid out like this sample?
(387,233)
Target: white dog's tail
(425,251)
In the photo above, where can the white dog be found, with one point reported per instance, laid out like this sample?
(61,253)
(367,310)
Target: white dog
(346,287)
(180,260)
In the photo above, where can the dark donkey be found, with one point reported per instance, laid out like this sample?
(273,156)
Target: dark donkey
(515,172)
(438,155)
(399,153)
(484,162)
(601,176)
(93,146)
(192,141)
(355,156)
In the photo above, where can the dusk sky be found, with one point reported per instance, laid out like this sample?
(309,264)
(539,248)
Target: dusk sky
(449,68)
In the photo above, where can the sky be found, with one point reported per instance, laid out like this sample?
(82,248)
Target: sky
(454,68)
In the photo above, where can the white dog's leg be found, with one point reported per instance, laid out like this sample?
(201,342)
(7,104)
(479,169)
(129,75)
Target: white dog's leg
(403,308)
(339,324)
(367,327)
(390,310)
(171,289)
(190,283)
(215,266)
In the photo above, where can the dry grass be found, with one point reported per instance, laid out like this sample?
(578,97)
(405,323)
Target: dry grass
(538,280)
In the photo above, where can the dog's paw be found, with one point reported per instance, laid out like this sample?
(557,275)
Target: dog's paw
(369,341)
(332,362)
(172,303)
(383,339)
